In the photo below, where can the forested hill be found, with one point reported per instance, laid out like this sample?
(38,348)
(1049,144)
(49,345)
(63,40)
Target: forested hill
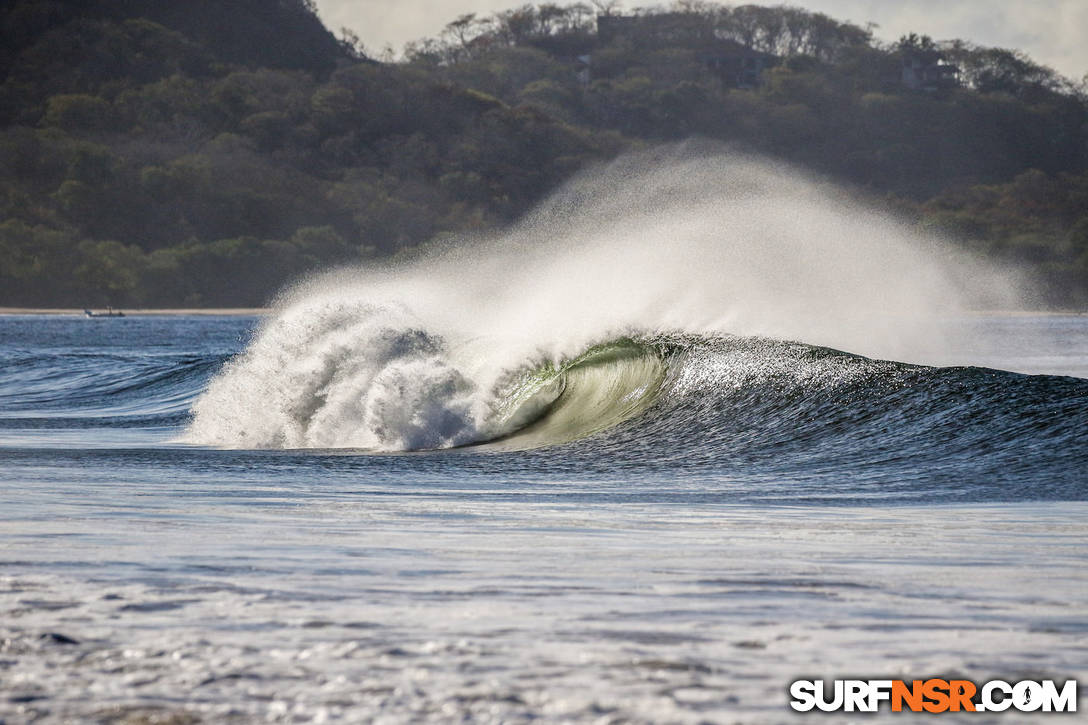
(156,153)
(97,41)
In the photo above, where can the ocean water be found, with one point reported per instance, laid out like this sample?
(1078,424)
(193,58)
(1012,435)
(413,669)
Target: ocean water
(328,517)
(695,428)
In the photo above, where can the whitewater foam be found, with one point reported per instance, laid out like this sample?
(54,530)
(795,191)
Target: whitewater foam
(691,238)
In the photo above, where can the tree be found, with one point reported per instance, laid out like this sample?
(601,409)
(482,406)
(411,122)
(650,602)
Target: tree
(352,44)
(606,7)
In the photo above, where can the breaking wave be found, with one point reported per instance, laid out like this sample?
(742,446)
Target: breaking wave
(647,308)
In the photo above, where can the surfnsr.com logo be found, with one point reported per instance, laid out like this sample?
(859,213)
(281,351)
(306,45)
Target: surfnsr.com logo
(933,695)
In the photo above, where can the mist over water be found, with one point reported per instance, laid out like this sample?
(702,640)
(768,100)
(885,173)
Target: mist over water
(686,240)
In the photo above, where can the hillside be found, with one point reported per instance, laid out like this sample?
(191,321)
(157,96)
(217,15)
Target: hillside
(153,156)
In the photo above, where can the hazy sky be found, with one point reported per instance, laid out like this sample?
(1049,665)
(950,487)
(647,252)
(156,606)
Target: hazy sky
(1054,32)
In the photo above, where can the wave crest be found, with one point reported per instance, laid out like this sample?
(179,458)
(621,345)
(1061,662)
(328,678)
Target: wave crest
(339,376)
(487,339)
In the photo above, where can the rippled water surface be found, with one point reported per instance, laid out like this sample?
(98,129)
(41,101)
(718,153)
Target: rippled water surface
(777,511)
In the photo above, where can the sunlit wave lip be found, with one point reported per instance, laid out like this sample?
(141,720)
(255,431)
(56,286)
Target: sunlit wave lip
(605,386)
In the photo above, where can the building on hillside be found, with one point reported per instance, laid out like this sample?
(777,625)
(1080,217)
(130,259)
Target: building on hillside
(920,74)
(922,65)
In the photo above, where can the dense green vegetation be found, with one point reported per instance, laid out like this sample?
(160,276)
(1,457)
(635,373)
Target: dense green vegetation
(156,156)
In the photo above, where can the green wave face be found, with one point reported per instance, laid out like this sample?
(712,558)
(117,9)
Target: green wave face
(599,389)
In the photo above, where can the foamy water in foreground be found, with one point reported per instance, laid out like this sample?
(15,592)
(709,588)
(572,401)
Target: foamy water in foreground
(403,603)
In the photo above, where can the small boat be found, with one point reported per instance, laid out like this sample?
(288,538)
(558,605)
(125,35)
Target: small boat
(110,312)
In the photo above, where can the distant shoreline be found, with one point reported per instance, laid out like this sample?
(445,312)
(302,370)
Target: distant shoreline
(142,312)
